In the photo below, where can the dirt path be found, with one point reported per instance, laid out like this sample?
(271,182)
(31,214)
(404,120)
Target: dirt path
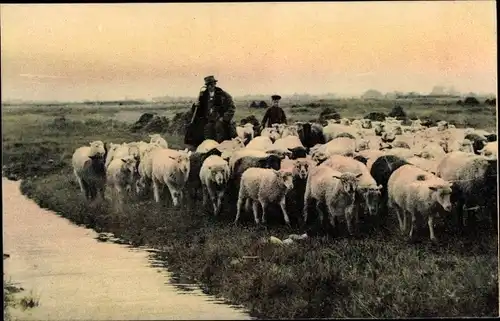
(76,277)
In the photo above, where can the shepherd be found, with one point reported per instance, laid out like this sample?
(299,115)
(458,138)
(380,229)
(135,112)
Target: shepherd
(212,116)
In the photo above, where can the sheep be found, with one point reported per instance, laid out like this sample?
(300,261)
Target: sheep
(245,152)
(442,125)
(357,123)
(417,193)
(157,139)
(300,170)
(366,123)
(428,165)
(379,129)
(400,144)
(231,145)
(332,130)
(431,151)
(400,152)
(264,186)
(459,145)
(89,169)
(478,142)
(245,132)
(339,146)
(310,134)
(345,122)
(367,187)
(336,190)
(290,143)
(196,160)
(388,137)
(279,128)
(362,144)
(214,176)
(246,162)
(170,168)
(291,130)
(123,150)
(490,150)
(111,150)
(262,143)
(145,168)
(381,169)
(270,132)
(207,145)
(120,176)
(474,179)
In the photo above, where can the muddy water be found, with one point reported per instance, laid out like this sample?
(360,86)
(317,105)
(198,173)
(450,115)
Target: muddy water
(74,276)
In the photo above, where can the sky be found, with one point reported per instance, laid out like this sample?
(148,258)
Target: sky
(138,50)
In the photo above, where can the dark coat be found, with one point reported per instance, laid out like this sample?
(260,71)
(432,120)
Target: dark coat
(222,107)
(273,115)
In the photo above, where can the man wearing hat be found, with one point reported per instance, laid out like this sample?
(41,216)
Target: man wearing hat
(212,116)
(274,114)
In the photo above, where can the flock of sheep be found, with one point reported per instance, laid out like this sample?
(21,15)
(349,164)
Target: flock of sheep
(342,170)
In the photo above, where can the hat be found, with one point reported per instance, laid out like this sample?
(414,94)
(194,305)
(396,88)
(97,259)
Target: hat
(210,80)
(275,97)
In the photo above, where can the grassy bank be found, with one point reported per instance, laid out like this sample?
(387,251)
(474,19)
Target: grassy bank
(377,275)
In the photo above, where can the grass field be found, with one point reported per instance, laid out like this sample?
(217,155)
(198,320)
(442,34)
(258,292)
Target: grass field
(376,275)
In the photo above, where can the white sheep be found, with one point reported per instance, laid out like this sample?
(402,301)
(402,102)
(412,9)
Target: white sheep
(336,190)
(245,152)
(262,143)
(415,192)
(214,176)
(157,139)
(367,186)
(270,132)
(120,177)
(231,145)
(170,168)
(145,168)
(206,145)
(490,150)
(286,142)
(291,130)
(339,146)
(245,132)
(264,186)
(112,147)
(89,169)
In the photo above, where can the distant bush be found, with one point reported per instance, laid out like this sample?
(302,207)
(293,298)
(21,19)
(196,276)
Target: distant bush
(491,102)
(328,113)
(263,104)
(376,116)
(398,112)
(471,101)
(460,102)
(254,105)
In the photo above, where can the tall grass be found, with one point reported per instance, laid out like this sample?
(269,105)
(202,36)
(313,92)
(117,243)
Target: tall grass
(375,275)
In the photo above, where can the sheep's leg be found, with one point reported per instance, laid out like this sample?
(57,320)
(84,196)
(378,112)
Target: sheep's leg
(86,189)
(413,223)
(238,209)
(213,198)
(283,208)
(331,215)
(204,192)
(80,183)
(220,196)
(305,210)
(264,206)
(174,193)
(156,191)
(430,222)
(255,207)
(349,219)
(248,205)
(320,212)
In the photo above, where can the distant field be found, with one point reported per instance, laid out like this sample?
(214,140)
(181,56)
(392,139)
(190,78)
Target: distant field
(376,275)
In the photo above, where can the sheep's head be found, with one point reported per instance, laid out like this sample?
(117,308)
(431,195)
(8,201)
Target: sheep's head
(129,165)
(97,148)
(371,195)
(363,144)
(291,130)
(297,152)
(219,174)
(319,157)
(442,193)
(281,153)
(397,130)
(366,123)
(301,168)
(388,137)
(182,160)
(345,122)
(349,182)
(281,128)
(285,178)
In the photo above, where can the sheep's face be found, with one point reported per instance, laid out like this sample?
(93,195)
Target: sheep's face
(349,182)
(218,175)
(97,148)
(281,128)
(301,168)
(441,194)
(366,123)
(286,178)
(292,130)
(371,196)
(238,142)
(363,144)
(275,126)
(397,130)
(319,157)
(466,146)
(129,165)
(345,122)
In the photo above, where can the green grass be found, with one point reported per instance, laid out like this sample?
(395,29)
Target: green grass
(376,275)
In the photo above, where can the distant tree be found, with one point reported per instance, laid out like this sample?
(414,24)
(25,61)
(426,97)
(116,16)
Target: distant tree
(262,104)
(460,102)
(254,104)
(491,102)
(471,101)
(376,116)
(328,113)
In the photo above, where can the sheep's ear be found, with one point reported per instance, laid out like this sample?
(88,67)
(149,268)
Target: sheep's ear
(172,157)
(434,188)
(189,153)
(278,173)
(124,160)
(335,176)
(359,175)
